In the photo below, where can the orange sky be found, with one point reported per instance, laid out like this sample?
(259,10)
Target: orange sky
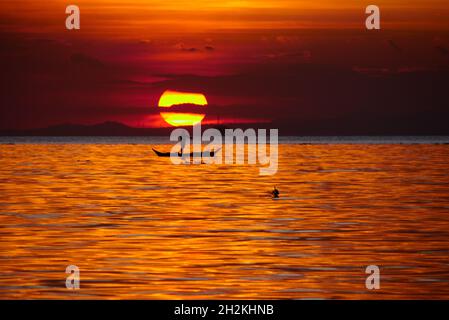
(156,18)
(254,60)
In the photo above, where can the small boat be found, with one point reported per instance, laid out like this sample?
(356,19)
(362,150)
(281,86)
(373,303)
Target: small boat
(190,155)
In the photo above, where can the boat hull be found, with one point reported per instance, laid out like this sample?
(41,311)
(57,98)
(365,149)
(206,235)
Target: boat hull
(189,155)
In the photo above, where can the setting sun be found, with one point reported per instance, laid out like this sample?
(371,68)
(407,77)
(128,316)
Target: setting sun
(174,98)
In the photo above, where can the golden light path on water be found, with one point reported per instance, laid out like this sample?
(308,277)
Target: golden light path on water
(139,227)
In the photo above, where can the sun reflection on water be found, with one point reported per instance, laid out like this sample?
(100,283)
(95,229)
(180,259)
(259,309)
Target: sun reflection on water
(139,227)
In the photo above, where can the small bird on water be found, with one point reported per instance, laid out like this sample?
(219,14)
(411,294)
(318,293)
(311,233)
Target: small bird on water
(275,192)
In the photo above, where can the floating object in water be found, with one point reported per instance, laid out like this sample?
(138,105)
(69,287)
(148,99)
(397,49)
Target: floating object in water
(275,193)
(187,155)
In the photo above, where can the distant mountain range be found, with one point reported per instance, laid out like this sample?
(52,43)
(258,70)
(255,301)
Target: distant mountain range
(108,128)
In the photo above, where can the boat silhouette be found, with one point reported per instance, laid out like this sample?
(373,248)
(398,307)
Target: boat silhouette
(203,154)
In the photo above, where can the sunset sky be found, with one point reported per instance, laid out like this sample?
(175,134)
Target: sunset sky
(306,67)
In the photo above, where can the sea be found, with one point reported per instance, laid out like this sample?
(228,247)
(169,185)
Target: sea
(139,227)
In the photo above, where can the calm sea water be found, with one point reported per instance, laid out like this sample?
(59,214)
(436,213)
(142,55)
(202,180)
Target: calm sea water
(139,227)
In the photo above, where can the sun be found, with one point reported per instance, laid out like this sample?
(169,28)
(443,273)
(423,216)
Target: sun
(181,100)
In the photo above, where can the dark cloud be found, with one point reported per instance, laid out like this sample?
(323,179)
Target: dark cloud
(86,61)
(323,99)
(182,47)
(443,50)
(394,45)
(46,82)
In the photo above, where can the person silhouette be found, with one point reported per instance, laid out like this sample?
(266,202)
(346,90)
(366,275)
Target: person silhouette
(183,143)
(275,193)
